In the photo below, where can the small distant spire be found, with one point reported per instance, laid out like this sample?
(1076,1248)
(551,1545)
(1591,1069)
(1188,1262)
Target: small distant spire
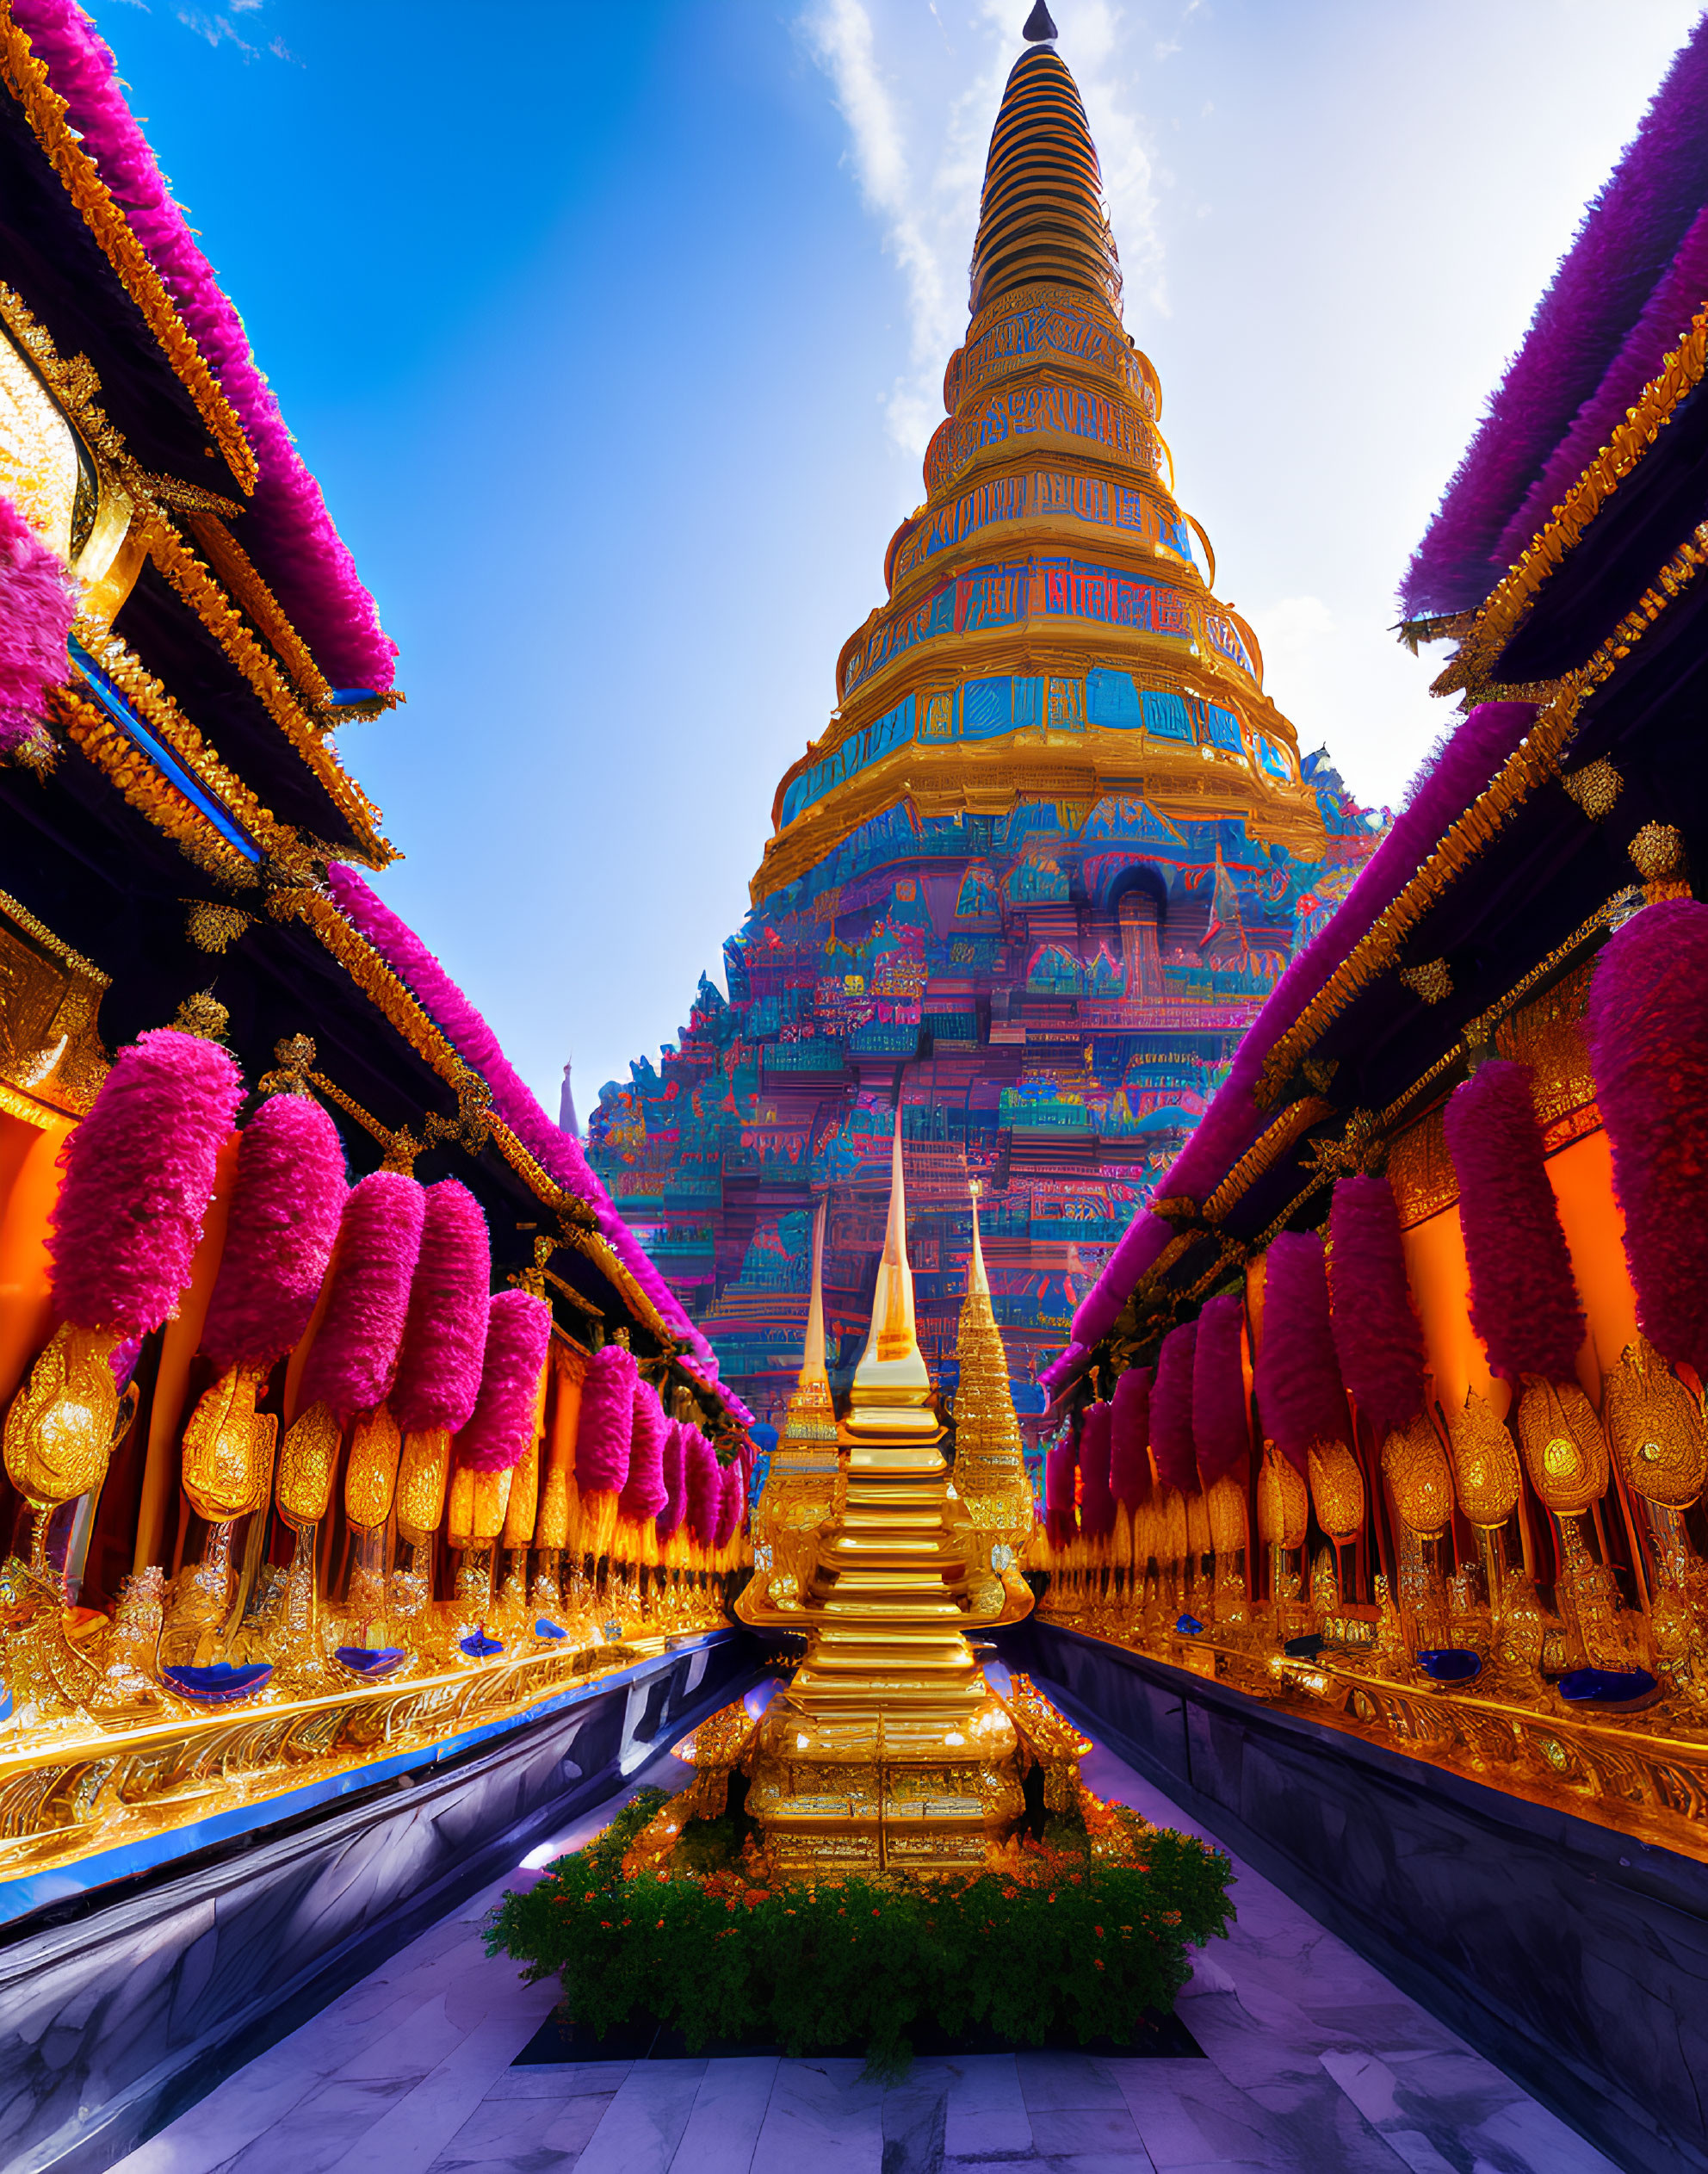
(567,1120)
(1039,28)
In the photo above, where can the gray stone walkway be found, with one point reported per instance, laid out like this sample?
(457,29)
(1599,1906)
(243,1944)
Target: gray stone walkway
(1315,2065)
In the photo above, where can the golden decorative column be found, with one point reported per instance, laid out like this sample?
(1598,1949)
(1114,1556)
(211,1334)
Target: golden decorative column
(889,1748)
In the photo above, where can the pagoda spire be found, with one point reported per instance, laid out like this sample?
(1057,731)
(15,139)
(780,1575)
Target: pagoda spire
(1039,28)
(891,1400)
(1041,215)
(988,1459)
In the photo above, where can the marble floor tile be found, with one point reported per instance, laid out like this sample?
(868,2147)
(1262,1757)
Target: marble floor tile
(1059,2130)
(1050,2081)
(511,2131)
(567,2080)
(823,2117)
(976,2135)
(728,2112)
(914,2116)
(984,2083)
(416,2127)
(642,2126)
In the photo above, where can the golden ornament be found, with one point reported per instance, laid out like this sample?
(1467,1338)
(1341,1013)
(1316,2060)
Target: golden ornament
(228,1448)
(1654,1429)
(1418,1477)
(1565,1453)
(1282,1506)
(309,1456)
(371,1475)
(1336,1488)
(60,1430)
(1485,1464)
(423,1477)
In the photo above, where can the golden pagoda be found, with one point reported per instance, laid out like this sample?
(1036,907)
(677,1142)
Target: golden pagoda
(888,1747)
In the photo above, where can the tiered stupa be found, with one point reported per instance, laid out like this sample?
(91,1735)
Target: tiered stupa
(1032,883)
(888,1747)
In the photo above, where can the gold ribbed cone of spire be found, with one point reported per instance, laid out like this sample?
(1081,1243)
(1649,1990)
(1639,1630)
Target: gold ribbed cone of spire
(1041,217)
(891,1422)
(988,1460)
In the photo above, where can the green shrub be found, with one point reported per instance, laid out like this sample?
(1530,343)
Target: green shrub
(1068,1936)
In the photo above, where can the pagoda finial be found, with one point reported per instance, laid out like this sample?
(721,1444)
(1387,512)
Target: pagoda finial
(976,1278)
(891,1401)
(812,1369)
(1041,218)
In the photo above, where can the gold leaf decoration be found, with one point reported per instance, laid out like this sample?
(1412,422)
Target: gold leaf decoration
(1418,1477)
(1485,1463)
(1654,1429)
(1565,1453)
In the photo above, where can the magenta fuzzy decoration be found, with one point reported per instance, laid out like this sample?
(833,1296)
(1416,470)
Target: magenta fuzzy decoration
(704,1479)
(1596,337)
(644,1492)
(35,623)
(1171,1409)
(502,1424)
(732,1503)
(606,1427)
(1299,1397)
(1062,1516)
(286,1208)
(1523,1302)
(1648,1028)
(1097,1503)
(1479,749)
(445,1337)
(1130,1478)
(1221,1434)
(1378,1340)
(354,1353)
(286,529)
(557,1152)
(675,1497)
(139,1173)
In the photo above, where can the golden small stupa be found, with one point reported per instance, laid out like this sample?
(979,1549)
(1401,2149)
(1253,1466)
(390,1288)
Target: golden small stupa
(888,1747)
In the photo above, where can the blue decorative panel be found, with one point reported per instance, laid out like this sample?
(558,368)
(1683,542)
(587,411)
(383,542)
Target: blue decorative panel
(1166,717)
(1112,698)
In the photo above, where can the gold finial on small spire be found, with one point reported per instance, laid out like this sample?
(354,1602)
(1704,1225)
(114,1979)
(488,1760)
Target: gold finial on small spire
(891,1394)
(813,1368)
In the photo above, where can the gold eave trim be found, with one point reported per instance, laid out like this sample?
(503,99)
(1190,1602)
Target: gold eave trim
(1511,603)
(1536,759)
(26,77)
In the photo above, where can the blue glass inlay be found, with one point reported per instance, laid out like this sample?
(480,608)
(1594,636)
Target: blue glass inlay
(119,709)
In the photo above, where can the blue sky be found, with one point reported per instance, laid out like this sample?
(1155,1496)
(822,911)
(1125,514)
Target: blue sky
(614,330)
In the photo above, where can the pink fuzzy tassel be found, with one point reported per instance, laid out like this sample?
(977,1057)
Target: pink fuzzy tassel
(518,1334)
(1299,1395)
(606,1424)
(555,1150)
(705,1489)
(1097,1503)
(644,1494)
(1130,1477)
(355,1354)
(1171,1409)
(1378,1340)
(304,560)
(35,625)
(675,1501)
(1062,1516)
(1648,1028)
(1221,1435)
(732,1504)
(1523,1302)
(444,1338)
(285,1211)
(139,1173)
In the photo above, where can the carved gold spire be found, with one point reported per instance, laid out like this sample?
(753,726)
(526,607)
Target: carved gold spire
(891,1422)
(988,1459)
